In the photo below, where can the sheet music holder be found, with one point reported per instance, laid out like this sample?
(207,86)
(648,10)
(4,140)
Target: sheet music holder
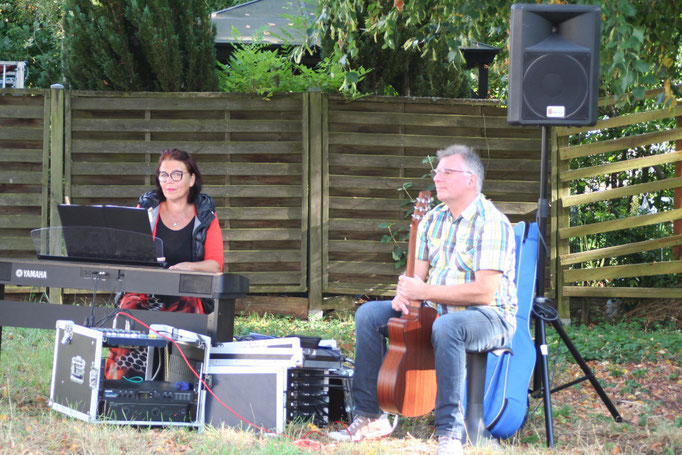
(100,233)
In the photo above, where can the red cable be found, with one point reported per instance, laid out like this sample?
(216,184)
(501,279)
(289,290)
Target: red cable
(301,442)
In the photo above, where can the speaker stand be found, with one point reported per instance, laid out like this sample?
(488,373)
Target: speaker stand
(544,313)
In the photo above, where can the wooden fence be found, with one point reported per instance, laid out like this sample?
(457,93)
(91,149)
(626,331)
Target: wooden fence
(303,182)
(573,274)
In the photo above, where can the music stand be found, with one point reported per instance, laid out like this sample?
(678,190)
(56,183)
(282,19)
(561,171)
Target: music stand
(544,313)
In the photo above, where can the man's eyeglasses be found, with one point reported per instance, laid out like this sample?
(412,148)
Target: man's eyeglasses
(175,176)
(445,172)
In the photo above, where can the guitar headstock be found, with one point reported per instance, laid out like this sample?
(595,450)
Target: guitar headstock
(422,205)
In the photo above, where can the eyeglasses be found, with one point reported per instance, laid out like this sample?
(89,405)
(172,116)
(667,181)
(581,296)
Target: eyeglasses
(445,172)
(175,176)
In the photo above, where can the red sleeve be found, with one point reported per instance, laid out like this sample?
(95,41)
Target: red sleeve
(213,247)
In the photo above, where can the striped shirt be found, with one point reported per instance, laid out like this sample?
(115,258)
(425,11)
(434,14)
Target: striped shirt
(481,238)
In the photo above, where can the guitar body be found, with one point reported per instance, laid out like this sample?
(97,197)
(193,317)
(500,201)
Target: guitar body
(407,379)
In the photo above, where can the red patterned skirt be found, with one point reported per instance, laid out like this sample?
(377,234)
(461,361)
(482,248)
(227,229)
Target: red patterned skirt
(130,363)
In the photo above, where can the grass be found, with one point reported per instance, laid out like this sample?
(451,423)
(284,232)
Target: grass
(640,371)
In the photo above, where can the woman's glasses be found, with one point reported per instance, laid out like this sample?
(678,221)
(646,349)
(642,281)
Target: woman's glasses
(174,176)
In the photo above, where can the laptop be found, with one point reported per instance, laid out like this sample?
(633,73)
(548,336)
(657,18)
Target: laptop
(106,234)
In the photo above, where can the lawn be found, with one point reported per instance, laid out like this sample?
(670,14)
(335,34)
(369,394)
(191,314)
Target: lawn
(639,369)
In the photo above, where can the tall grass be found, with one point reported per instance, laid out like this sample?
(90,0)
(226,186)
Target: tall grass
(27,425)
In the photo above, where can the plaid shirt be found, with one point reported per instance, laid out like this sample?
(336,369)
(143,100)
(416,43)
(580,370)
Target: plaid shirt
(481,238)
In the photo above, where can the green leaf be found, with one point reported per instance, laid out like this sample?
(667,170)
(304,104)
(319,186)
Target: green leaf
(639,92)
(353,77)
(641,66)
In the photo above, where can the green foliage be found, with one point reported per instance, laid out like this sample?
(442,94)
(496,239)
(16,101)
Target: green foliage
(30,31)
(640,41)
(620,343)
(135,45)
(342,329)
(345,29)
(614,209)
(253,68)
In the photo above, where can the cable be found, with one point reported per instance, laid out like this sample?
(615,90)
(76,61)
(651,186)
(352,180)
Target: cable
(90,320)
(300,442)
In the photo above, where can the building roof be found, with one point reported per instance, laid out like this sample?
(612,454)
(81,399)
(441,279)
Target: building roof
(269,21)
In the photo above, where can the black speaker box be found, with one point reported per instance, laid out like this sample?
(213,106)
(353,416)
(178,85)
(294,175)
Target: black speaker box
(553,64)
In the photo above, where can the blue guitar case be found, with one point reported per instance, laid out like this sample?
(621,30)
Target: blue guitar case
(505,403)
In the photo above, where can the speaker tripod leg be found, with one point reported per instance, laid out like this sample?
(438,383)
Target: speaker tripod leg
(589,375)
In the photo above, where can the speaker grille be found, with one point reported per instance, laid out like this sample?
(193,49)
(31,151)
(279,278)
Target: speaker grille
(556,79)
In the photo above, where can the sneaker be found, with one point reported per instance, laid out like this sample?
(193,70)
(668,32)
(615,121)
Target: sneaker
(364,428)
(449,446)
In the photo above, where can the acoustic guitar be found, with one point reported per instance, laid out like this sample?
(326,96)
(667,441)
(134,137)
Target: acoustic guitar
(407,379)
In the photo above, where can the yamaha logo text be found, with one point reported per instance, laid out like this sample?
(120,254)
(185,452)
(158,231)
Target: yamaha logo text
(28,273)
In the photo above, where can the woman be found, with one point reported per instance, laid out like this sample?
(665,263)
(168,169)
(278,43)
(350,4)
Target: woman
(184,218)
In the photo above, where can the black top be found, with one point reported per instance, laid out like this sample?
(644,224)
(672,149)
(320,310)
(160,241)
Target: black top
(177,245)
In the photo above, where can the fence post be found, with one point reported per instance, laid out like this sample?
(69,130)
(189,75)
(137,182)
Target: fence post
(560,219)
(316,203)
(56,191)
(677,225)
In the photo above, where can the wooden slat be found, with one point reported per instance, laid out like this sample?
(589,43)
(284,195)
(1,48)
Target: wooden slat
(417,162)
(365,203)
(621,250)
(364,225)
(640,293)
(625,191)
(20,177)
(33,112)
(431,142)
(624,120)
(620,166)
(261,213)
(194,147)
(20,221)
(259,191)
(393,183)
(21,155)
(362,268)
(19,199)
(622,271)
(262,278)
(185,102)
(401,118)
(212,168)
(516,208)
(186,125)
(239,256)
(248,235)
(21,134)
(16,243)
(580,151)
(365,246)
(623,223)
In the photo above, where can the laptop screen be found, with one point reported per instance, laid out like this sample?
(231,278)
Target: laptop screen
(102,233)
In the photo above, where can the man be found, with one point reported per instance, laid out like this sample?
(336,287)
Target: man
(465,261)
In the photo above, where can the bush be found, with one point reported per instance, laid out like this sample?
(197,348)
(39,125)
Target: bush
(254,69)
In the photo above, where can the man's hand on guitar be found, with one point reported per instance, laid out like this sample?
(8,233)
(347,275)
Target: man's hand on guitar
(411,288)
(400,303)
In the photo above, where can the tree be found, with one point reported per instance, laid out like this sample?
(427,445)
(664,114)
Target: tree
(136,45)
(30,31)
(640,41)
(343,29)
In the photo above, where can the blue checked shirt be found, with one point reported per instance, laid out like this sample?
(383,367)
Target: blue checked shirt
(481,238)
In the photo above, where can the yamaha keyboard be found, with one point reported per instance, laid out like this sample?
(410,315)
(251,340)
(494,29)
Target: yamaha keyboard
(224,287)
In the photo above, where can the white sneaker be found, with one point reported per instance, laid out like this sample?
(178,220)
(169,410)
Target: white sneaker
(449,446)
(364,428)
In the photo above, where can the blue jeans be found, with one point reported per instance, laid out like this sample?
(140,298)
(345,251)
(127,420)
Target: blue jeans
(453,334)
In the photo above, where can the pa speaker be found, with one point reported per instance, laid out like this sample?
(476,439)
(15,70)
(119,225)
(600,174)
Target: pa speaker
(553,64)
